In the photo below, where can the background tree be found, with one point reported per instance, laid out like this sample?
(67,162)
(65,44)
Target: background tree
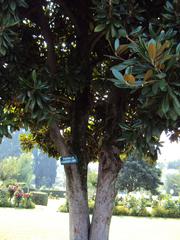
(136,175)
(10,147)
(172,183)
(19,168)
(174,165)
(55,74)
(44,169)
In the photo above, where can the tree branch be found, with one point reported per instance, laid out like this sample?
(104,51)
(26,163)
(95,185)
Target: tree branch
(58,140)
(37,16)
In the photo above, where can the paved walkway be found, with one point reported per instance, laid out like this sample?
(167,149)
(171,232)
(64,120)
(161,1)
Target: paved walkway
(44,223)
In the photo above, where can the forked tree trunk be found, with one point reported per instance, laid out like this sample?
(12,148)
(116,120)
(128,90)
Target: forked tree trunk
(78,205)
(79,226)
(105,195)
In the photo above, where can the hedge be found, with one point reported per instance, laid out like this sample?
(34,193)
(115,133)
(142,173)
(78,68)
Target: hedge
(39,198)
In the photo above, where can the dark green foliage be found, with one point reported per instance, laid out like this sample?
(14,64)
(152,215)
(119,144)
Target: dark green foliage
(40,198)
(138,174)
(42,84)
(60,75)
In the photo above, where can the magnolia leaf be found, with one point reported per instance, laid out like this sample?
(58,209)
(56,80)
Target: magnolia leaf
(165,104)
(148,75)
(122,33)
(136,30)
(99,28)
(178,49)
(118,75)
(121,49)
(129,78)
(116,44)
(34,75)
(152,49)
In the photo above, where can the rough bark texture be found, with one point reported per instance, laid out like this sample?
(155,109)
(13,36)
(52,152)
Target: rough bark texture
(77,192)
(106,192)
(78,205)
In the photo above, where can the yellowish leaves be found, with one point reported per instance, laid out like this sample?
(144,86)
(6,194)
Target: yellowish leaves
(148,75)
(152,51)
(163,47)
(157,53)
(121,49)
(129,78)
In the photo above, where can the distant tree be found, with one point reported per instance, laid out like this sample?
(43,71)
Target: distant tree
(137,174)
(173,183)
(44,169)
(174,164)
(10,147)
(17,168)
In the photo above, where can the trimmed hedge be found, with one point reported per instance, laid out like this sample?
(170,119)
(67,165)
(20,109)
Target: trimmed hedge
(39,198)
(51,192)
(55,193)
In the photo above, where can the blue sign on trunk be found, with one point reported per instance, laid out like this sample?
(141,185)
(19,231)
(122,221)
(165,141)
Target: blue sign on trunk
(69,160)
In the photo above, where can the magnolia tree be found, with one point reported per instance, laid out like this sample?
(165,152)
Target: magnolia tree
(95,79)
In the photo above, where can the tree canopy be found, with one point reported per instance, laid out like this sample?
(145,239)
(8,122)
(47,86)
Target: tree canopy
(98,79)
(138,175)
(19,168)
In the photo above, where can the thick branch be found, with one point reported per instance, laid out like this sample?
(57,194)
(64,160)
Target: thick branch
(58,140)
(68,12)
(37,15)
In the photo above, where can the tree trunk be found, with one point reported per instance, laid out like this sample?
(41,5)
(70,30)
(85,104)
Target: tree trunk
(105,195)
(76,188)
(78,205)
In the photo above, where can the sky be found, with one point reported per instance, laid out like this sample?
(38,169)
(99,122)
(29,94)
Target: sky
(169,151)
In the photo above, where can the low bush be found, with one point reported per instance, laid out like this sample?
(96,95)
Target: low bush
(64,208)
(91,204)
(121,211)
(167,207)
(39,198)
(27,202)
(4,198)
(142,207)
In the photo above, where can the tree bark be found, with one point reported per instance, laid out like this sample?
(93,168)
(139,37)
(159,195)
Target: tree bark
(78,205)
(105,195)
(76,191)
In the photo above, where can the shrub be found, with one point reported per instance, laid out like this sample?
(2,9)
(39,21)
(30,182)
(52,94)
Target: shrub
(91,204)
(64,208)
(27,202)
(120,211)
(39,198)
(4,198)
(159,211)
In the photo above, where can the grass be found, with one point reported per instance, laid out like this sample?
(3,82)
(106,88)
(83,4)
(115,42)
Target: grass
(44,223)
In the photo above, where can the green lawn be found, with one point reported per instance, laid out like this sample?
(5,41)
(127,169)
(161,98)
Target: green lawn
(44,223)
